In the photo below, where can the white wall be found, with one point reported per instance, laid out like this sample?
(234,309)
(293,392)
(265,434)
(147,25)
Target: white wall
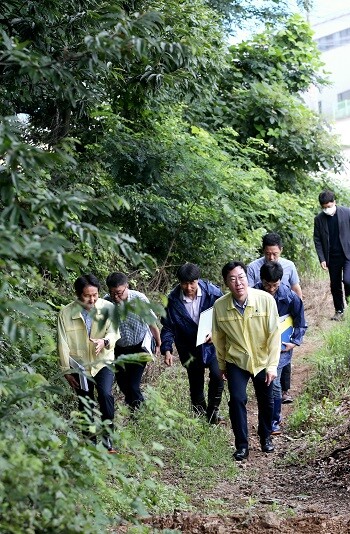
(325,100)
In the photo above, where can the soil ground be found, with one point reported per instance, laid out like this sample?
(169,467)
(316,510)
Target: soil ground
(268,496)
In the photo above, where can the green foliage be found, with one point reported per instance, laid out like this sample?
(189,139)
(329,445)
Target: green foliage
(118,77)
(192,451)
(286,54)
(60,62)
(41,229)
(298,141)
(52,481)
(190,186)
(259,96)
(239,13)
(329,382)
(48,477)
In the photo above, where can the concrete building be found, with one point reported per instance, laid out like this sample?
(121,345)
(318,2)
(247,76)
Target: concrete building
(333,38)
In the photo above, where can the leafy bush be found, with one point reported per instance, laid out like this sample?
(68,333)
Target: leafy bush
(51,480)
(327,384)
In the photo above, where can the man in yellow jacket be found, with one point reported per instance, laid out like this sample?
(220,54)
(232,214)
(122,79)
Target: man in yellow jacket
(86,338)
(247,341)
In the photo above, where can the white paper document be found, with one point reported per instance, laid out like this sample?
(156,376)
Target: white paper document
(204,325)
(81,370)
(147,342)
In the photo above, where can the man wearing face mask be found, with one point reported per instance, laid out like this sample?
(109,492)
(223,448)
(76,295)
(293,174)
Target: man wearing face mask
(332,243)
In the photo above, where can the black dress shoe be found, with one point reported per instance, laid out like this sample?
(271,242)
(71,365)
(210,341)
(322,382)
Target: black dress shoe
(241,454)
(267,445)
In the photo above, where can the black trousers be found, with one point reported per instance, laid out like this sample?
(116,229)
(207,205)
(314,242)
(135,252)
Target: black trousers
(285,377)
(196,374)
(339,273)
(129,377)
(103,385)
(237,380)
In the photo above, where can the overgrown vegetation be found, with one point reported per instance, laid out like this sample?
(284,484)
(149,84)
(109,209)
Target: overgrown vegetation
(51,481)
(132,137)
(192,450)
(318,408)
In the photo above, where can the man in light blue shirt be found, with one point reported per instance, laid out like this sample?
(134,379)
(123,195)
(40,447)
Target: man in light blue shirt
(272,250)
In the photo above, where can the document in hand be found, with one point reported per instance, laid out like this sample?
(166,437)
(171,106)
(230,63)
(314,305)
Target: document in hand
(148,343)
(81,370)
(204,325)
(286,328)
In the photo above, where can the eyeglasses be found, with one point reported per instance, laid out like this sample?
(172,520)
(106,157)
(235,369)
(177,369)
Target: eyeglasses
(116,293)
(237,279)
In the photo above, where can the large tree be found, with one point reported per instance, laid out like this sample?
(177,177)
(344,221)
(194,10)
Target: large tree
(260,96)
(59,63)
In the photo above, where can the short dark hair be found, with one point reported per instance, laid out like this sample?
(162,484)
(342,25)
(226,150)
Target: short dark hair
(230,265)
(271,271)
(271,239)
(326,196)
(188,272)
(85,280)
(116,280)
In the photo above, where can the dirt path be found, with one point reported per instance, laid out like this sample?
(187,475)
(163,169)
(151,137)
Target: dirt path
(267,496)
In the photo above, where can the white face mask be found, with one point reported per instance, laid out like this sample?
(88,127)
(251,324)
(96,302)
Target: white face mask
(329,211)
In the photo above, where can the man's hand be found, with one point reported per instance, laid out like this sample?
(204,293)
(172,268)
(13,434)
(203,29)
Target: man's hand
(208,338)
(99,344)
(157,352)
(324,265)
(72,381)
(223,375)
(269,378)
(168,358)
(287,347)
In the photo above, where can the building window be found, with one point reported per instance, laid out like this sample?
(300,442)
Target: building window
(343,96)
(333,40)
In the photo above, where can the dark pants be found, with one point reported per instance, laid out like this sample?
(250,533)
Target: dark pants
(196,373)
(103,384)
(237,380)
(129,377)
(339,272)
(285,377)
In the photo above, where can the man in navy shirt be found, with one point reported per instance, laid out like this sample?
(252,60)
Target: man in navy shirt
(180,326)
(288,304)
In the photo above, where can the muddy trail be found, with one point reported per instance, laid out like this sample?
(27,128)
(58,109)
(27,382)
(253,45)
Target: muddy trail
(270,496)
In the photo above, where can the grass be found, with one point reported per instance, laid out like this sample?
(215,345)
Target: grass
(192,455)
(190,458)
(318,409)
